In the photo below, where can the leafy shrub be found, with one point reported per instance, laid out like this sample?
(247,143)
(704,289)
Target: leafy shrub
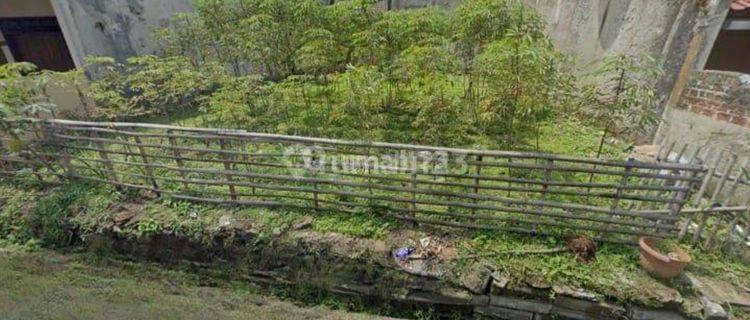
(622,101)
(236,104)
(147,85)
(23,90)
(522,78)
(483,72)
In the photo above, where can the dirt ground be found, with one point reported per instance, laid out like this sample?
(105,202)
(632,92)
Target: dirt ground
(49,285)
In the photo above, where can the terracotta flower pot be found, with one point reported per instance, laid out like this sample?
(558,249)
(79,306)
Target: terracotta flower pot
(658,264)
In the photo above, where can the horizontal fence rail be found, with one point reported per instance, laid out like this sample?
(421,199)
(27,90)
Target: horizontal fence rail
(517,191)
(720,216)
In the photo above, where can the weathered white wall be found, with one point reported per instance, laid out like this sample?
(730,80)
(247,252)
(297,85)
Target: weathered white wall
(116,28)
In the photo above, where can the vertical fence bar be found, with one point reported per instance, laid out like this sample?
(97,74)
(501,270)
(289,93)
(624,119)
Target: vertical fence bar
(746,232)
(228,167)
(712,201)
(618,195)
(510,161)
(699,195)
(103,154)
(665,158)
(727,198)
(413,185)
(65,159)
(647,181)
(367,169)
(738,218)
(178,157)
(314,158)
(680,197)
(673,183)
(477,181)
(146,164)
(545,188)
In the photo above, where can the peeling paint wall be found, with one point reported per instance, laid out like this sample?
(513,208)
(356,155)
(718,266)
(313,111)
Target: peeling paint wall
(116,28)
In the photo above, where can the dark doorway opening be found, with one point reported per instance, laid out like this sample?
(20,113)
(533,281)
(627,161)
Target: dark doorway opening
(731,51)
(39,41)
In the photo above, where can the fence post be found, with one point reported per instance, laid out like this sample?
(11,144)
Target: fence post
(146,165)
(732,190)
(618,194)
(476,182)
(545,186)
(316,200)
(699,195)
(178,157)
(103,154)
(228,167)
(413,185)
(65,161)
(679,199)
(711,202)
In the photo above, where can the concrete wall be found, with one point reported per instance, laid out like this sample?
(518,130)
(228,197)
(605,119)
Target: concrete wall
(116,28)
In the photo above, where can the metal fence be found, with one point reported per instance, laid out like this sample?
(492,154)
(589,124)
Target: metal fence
(526,192)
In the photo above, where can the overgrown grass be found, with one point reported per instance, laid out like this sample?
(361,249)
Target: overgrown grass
(570,136)
(359,225)
(48,285)
(615,273)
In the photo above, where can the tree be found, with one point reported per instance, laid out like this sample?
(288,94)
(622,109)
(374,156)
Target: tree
(522,80)
(622,101)
(147,85)
(362,106)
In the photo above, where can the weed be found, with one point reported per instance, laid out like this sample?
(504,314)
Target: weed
(148,227)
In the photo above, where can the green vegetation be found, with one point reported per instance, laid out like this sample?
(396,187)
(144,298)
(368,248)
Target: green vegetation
(89,208)
(483,74)
(622,103)
(49,285)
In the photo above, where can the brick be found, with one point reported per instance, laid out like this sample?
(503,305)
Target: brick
(723,107)
(723,116)
(739,120)
(708,113)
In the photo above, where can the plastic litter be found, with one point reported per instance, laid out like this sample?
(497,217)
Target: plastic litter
(425,242)
(403,253)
